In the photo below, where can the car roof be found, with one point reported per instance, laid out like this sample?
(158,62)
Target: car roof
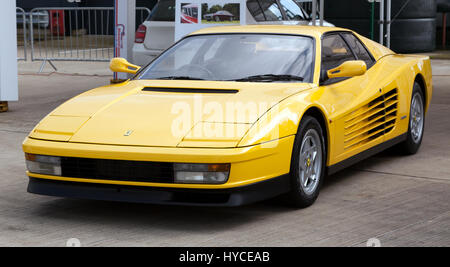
(315,31)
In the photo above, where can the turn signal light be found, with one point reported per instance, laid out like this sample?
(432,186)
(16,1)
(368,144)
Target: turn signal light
(195,173)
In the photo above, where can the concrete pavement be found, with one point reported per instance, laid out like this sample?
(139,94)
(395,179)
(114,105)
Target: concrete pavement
(402,201)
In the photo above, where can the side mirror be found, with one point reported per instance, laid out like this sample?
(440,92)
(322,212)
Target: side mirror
(119,64)
(348,69)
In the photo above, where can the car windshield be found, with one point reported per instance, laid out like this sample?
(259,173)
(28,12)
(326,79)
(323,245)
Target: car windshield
(228,57)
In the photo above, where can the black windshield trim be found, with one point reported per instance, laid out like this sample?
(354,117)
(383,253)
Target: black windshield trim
(270,77)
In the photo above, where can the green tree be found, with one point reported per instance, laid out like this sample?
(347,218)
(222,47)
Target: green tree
(204,9)
(233,9)
(215,8)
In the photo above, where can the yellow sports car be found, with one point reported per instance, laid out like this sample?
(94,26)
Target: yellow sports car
(233,115)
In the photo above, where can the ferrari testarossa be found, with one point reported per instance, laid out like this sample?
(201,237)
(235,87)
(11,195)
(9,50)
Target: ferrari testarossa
(233,115)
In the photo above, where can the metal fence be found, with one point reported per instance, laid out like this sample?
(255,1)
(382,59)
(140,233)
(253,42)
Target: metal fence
(21,33)
(74,34)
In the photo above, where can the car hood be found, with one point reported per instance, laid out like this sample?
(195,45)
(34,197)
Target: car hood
(164,113)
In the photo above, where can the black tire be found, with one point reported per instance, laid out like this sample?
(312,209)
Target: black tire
(357,9)
(443,6)
(413,35)
(414,9)
(409,146)
(298,197)
(407,35)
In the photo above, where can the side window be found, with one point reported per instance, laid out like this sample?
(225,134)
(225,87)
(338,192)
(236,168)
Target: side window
(360,51)
(271,10)
(255,9)
(164,10)
(265,10)
(334,52)
(292,10)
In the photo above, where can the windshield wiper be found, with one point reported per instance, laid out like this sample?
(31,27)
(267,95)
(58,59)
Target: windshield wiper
(178,78)
(270,77)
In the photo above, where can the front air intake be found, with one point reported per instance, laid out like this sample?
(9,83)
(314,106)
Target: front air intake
(118,170)
(371,121)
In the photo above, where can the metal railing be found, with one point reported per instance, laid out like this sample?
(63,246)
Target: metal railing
(74,34)
(21,21)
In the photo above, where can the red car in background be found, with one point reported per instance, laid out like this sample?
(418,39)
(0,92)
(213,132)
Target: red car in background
(221,15)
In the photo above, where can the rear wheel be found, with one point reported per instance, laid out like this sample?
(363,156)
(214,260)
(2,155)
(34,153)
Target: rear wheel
(307,164)
(416,122)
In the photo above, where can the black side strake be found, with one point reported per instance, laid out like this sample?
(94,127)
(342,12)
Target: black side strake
(191,90)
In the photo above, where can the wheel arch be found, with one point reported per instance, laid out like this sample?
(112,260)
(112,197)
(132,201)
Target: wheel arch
(423,87)
(319,115)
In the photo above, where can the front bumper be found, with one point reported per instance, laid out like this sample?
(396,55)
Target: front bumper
(257,172)
(158,195)
(249,165)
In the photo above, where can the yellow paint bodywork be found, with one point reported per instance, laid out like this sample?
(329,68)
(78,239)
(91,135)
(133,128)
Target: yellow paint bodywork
(92,125)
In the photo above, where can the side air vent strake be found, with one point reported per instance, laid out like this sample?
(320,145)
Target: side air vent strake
(371,121)
(191,90)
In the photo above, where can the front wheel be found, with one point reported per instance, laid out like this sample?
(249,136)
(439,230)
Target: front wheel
(307,163)
(416,122)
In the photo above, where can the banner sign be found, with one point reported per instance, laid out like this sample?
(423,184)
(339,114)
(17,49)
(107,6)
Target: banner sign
(192,15)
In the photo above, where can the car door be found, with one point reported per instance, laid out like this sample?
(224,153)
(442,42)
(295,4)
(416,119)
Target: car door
(352,102)
(389,103)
